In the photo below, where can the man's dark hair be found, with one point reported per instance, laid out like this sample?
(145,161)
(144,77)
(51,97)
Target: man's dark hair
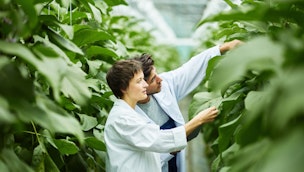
(120,74)
(147,64)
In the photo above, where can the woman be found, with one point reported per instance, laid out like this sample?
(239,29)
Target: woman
(133,140)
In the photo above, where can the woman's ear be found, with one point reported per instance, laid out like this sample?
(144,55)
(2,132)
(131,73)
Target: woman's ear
(123,91)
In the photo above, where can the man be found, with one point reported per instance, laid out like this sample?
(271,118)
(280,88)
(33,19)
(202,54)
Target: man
(166,89)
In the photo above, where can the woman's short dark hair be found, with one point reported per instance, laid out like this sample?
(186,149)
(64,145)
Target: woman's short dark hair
(147,64)
(120,74)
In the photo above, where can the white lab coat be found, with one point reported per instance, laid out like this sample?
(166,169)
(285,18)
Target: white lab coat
(176,85)
(132,140)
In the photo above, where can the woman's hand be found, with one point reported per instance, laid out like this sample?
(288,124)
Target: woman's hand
(202,117)
(207,115)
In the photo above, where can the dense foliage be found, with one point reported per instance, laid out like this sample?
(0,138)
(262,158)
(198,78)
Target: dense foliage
(258,88)
(54,100)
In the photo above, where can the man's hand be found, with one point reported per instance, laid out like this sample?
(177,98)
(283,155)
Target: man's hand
(230,45)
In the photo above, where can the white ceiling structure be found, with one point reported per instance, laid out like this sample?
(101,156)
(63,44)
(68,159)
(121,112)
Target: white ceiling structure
(174,21)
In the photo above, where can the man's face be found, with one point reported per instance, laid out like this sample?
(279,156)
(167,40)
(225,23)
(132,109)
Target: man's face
(154,82)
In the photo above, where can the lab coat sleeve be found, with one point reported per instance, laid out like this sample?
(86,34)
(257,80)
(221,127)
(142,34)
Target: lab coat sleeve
(186,78)
(165,158)
(141,134)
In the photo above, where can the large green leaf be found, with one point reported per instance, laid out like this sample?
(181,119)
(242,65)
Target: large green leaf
(29,10)
(264,55)
(97,50)
(87,36)
(50,164)
(211,64)
(12,162)
(272,155)
(38,158)
(49,47)
(87,122)
(5,115)
(19,51)
(27,20)
(67,44)
(49,116)
(286,155)
(105,54)
(66,147)
(203,100)
(63,77)
(66,78)
(226,132)
(12,77)
(74,85)
(255,103)
(94,69)
(288,97)
(249,155)
(96,13)
(95,143)
(224,156)
(52,21)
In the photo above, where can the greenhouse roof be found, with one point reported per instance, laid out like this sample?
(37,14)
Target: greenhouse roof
(174,20)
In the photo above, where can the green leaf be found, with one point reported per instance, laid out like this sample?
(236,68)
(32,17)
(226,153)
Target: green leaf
(87,122)
(13,162)
(288,97)
(231,4)
(98,132)
(101,53)
(203,100)
(279,155)
(20,51)
(3,167)
(94,69)
(239,61)
(64,42)
(49,116)
(226,132)
(45,51)
(96,13)
(38,158)
(74,85)
(63,77)
(211,64)
(255,102)
(29,10)
(50,20)
(87,36)
(247,156)
(49,45)
(97,50)
(95,143)
(12,77)
(5,115)
(115,2)
(50,164)
(224,156)
(66,147)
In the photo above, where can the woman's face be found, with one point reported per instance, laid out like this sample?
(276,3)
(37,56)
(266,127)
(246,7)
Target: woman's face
(137,89)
